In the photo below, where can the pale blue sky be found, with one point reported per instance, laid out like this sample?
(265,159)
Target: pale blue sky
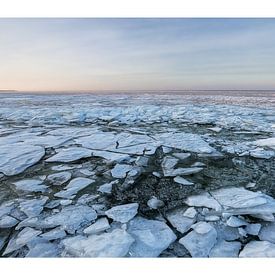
(137,54)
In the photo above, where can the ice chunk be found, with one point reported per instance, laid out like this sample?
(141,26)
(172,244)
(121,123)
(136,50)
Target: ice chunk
(151,237)
(16,158)
(267,142)
(120,170)
(113,244)
(182,171)
(182,156)
(204,199)
(142,161)
(267,233)
(182,181)
(184,141)
(122,213)
(201,240)
(54,234)
(238,197)
(107,187)
(30,185)
(33,207)
(179,220)
(8,222)
(168,163)
(99,226)
(59,178)
(190,212)
(70,154)
(25,236)
(258,249)
(74,187)
(43,250)
(236,222)
(226,249)
(155,203)
(253,229)
(71,217)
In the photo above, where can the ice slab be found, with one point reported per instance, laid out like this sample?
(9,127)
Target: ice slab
(182,181)
(258,249)
(123,213)
(184,141)
(155,203)
(225,249)
(179,220)
(33,207)
(59,178)
(43,250)
(54,234)
(23,237)
(8,222)
(16,158)
(97,227)
(113,244)
(120,170)
(70,154)
(205,200)
(267,232)
(151,237)
(74,187)
(238,197)
(30,185)
(201,240)
(71,217)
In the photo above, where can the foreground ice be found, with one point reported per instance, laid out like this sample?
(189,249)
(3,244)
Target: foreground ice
(73,187)
(180,221)
(99,226)
(122,213)
(16,158)
(258,249)
(70,218)
(151,237)
(30,185)
(70,154)
(226,249)
(201,240)
(113,244)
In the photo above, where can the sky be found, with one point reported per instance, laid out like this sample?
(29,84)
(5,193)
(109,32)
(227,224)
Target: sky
(136,54)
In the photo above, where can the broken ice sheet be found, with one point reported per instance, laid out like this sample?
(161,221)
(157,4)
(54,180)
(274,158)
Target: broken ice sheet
(16,158)
(30,185)
(70,154)
(123,213)
(111,244)
(151,237)
(74,186)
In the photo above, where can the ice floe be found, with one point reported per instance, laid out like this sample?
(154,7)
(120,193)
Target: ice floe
(59,178)
(16,158)
(180,219)
(100,225)
(123,213)
(201,240)
(8,221)
(226,249)
(258,249)
(30,185)
(151,237)
(74,186)
(70,154)
(113,244)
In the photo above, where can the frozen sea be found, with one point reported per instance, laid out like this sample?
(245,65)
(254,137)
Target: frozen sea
(137,174)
